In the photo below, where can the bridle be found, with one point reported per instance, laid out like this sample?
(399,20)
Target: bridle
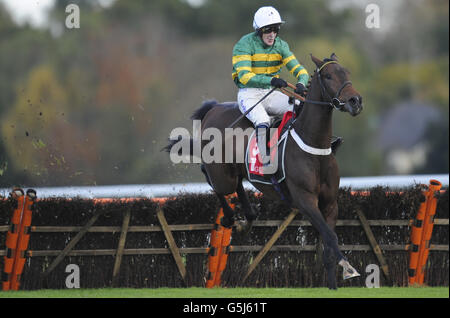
(334,102)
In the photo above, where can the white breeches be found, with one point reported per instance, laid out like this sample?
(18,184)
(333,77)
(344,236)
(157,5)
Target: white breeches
(276,104)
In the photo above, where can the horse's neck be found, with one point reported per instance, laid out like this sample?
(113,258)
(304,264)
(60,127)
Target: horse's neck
(314,124)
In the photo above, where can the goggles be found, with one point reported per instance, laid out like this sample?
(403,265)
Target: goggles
(270,29)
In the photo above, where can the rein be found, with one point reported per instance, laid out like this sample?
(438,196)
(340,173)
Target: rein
(334,102)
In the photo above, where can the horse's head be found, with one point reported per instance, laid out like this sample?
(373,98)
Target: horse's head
(336,87)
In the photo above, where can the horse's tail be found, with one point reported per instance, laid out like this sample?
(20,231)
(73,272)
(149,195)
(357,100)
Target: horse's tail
(172,142)
(200,113)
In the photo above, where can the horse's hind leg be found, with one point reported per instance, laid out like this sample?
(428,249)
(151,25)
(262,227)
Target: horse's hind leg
(228,213)
(202,168)
(224,182)
(250,213)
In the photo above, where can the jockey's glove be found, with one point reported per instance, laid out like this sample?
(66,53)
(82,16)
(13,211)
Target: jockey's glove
(300,89)
(278,82)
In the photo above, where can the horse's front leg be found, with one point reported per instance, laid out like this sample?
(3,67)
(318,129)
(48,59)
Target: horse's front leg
(330,213)
(308,205)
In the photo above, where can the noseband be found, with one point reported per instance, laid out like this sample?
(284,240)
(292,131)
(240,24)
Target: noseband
(334,101)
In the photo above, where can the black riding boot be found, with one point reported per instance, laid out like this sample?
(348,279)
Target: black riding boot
(262,139)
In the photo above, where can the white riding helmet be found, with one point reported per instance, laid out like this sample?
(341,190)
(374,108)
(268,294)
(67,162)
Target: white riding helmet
(266,16)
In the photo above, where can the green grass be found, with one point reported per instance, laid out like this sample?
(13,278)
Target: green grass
(358,292)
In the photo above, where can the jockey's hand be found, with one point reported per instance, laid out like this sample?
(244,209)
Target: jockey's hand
(278,82)
(300,89)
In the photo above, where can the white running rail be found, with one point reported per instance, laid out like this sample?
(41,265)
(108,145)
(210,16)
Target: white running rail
(170,190)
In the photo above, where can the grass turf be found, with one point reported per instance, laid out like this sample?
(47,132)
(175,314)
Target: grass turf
(358,292)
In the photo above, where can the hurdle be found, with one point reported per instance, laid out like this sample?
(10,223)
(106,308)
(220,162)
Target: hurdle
(219,249)
(17,238)
(421,231)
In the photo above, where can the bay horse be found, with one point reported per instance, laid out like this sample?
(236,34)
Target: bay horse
(312,180)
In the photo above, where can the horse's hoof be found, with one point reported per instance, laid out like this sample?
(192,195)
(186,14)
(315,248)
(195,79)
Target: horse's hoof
(348,270)
(243,226)
(350,274)
(332,283)
(225,222)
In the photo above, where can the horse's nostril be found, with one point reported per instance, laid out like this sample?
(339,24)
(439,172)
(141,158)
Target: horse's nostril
(353,100)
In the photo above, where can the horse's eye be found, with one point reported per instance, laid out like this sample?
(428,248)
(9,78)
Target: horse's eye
(328,76)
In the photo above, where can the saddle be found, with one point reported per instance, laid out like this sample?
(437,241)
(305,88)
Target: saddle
(256,170)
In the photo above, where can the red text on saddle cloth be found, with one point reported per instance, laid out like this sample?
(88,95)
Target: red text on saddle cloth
(255,165)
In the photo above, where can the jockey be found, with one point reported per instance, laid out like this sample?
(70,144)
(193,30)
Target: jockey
(257,61)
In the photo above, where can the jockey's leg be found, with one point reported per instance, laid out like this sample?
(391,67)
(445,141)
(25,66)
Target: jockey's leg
(262,139)
(247,98)
(277,104)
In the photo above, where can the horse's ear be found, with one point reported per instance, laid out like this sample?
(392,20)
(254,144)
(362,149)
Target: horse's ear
(334,57)
(316,61)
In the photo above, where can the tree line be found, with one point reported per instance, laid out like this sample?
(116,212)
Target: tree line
(95,105)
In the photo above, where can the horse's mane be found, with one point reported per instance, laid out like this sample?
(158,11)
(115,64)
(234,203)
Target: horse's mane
(310,79)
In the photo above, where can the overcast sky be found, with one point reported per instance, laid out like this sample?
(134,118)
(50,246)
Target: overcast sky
(31,11)
(35,11)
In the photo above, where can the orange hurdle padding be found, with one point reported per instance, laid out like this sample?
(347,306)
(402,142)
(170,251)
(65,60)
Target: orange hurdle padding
(428,225)
(12,238)
(17,239)
(421,234)
(214,251)
(416,237)
(22,241)
(223,256)
(219,249)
